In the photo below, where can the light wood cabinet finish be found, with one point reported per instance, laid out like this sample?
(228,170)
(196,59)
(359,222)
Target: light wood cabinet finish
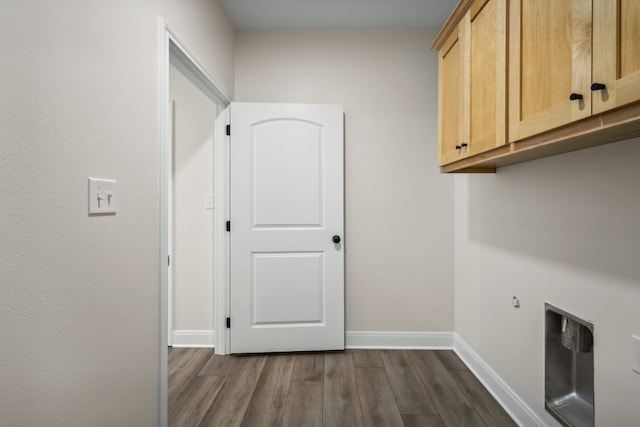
(616,54)
(450,100)
(549,59)
(554,49)
(473,83)
(485,36)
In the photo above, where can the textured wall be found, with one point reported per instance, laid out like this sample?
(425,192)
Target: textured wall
(562,230)
(79,304)
(399,210)
(205,28)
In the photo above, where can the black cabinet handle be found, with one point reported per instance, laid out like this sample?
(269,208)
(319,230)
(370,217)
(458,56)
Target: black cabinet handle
(335,239)
(458,147)
(598,86)
(464,145)
(575,96)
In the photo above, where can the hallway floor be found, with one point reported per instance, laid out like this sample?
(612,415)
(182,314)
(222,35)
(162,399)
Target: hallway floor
(351,388)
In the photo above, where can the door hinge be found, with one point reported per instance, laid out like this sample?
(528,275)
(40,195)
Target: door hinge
(228,322)
(228,130)
(228,226)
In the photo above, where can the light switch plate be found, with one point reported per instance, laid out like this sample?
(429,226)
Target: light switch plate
(635,354)
(103,196)
(208,201)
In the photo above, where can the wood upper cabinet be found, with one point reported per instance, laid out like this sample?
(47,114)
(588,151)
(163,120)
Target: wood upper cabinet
(450,99)
(525,79)
(616,53)
(570,59)
(473,83)
(549,65)
(485,68)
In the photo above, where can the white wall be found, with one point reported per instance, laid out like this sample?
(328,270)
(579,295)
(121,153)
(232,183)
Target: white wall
(193,130)
(79,305)
(564,230)
(399,210)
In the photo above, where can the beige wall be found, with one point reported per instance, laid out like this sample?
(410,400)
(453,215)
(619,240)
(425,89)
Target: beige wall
(563,230)
(206,30)
(79,305)
(193,130)
(399,210)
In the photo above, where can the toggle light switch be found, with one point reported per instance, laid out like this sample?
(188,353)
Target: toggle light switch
(102,196)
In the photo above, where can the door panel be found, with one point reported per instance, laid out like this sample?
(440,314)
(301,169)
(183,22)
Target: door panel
(278,279)
(486,38)
(616,56)
(629,37)
(287,275)
(550,59)
(450,99)
(546,52)
(482,36)
(279,200)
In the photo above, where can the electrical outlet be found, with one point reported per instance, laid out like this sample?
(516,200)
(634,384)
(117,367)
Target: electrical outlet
(103,197)
(515,302)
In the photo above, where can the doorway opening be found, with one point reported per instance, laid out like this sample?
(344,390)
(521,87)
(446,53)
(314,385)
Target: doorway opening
(175,55)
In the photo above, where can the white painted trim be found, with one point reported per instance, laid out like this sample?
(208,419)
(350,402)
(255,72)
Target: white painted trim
(172,50)
(512,403)
(220,236)
(399,340)
(169,179)
(188,64)
(163,220)
(194,338)
(184,60)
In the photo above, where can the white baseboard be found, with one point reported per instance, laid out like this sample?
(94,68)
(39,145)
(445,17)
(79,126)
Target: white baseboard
(194,338)
(399,340)
(522,413)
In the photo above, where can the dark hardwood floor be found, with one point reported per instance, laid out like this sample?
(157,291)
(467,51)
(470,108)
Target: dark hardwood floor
(369,388)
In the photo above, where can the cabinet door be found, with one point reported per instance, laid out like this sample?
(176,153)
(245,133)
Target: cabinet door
(450,100)
(549,59)
(485,41)
(616,53)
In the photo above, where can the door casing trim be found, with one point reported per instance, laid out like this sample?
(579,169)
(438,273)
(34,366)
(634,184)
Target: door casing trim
(171,50)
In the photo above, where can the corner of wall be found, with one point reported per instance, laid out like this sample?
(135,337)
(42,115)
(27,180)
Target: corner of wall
(512,403)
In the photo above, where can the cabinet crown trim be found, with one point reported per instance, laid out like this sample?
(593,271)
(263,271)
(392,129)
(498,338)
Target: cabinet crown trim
(451,24)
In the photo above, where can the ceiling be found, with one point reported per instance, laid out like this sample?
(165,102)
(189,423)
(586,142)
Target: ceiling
(338,14)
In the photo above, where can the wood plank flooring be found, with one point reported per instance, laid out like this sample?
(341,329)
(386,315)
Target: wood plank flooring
(368,388)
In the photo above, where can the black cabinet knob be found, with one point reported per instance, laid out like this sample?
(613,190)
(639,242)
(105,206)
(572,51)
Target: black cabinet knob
(598,86)
(335,239)
(575,96)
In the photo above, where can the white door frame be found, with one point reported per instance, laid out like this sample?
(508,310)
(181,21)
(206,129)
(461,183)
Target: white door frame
(170,254)
(172,51)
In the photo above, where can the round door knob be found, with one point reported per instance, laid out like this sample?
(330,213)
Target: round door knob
(575,96)
(335,239)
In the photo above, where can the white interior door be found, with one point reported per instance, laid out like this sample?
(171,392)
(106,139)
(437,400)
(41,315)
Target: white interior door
(287,209)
